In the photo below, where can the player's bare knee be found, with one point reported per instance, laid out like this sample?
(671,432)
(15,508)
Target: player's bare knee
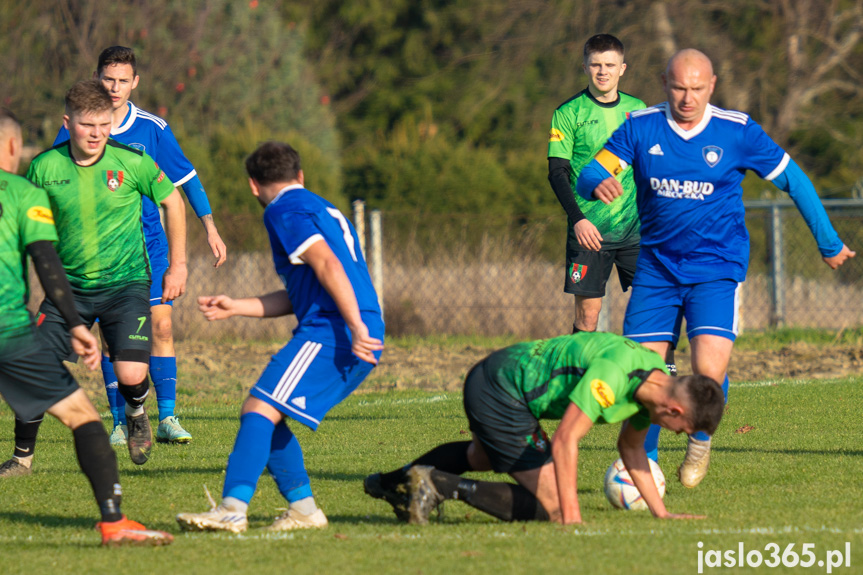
(163,328)
(130,372)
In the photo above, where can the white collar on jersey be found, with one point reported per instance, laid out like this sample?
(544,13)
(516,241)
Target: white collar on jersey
(287,189)
(688,134)
(127,123)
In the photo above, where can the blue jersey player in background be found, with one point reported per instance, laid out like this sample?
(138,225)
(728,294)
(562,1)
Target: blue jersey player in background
(117,70)
(689,159)
(336,344)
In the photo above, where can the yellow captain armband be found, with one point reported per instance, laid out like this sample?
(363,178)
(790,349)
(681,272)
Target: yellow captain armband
(610,162)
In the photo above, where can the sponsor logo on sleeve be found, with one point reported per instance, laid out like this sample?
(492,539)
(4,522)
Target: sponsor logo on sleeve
(556,135)
(114,179)
(602,393)
(711,154)
(160,177)
(41,214)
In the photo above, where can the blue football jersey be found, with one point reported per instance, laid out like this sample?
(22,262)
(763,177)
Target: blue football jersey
(295,220)
(689,196)
(151,134)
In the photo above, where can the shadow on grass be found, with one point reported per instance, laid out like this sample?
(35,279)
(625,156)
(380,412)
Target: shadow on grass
(825,452)
(49,520)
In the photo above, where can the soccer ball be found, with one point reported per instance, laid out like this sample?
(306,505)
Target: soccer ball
(621,491)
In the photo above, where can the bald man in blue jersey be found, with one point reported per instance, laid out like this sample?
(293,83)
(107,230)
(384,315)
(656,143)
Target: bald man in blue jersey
(688,159)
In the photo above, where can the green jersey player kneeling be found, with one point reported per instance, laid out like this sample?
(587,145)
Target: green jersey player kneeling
(579,379)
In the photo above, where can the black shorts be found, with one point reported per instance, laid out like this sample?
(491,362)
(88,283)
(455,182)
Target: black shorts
(32,381)
(588,271)
(512,437)
(124,318)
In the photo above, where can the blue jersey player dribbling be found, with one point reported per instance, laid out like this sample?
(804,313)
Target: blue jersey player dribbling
(689,158)
(336,344)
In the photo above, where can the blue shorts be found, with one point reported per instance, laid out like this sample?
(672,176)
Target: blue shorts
(158,255)
(305,379)
(659,303)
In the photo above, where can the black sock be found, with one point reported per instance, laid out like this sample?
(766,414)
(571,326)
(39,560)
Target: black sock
(99,464)
(449,457)
(506,501)
(135,395)
(25,436)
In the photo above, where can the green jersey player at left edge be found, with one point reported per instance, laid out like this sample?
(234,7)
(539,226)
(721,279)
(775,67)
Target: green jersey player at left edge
(32,378)
(95,186)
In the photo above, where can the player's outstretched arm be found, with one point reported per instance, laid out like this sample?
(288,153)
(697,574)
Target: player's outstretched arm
(564,451)
(216,307)
(333,278)
(630,444)
(798,185)
(174,282)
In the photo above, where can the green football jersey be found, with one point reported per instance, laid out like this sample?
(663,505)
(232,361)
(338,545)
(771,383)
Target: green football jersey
(599,372)
(25,217)
(97,210)
(579,129)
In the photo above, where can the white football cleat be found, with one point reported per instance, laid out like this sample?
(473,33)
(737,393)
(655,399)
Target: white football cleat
(293,519)
(218,518)
(694,466)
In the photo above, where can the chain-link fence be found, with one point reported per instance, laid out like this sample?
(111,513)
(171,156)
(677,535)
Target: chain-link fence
(462,274)
(482,274)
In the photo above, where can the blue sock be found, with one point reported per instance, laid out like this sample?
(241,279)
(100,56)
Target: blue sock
(701,436)
(249,457)
(286,465)
(651,442)
(163,372)
(115,400)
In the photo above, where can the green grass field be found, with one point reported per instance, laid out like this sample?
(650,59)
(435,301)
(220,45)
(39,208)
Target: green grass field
(793,477)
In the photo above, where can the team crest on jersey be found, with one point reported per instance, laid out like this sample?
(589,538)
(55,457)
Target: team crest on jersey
(538,440)
(114,179)
(711,155)
(577,273)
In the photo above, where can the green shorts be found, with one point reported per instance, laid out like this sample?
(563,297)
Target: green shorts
(588,271)
(124,318)
(510,434)
(33,380)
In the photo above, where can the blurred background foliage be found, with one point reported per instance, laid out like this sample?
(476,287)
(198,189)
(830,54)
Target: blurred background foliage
(431,105)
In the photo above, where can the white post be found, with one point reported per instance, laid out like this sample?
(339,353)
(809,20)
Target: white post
(359,207)
(377,255)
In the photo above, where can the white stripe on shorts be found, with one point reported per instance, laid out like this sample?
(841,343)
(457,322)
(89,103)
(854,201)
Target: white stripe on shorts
(296,370)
